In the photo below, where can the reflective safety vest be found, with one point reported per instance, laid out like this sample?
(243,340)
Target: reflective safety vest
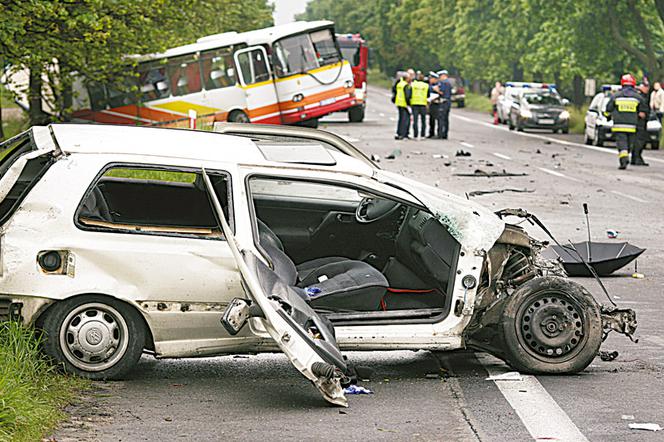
(624,108)
(420,93)
(400,99)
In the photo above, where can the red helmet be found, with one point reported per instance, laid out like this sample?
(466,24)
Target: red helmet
(627,80)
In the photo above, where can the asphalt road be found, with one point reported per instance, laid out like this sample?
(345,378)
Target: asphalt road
(444,396)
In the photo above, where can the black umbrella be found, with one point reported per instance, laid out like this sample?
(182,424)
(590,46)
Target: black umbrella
(604,257)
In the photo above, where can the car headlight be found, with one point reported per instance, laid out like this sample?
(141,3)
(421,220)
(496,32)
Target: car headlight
(525,113)
(564,115)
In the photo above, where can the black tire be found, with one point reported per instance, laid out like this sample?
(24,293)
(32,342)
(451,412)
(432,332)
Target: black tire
(519,127)
(568,332)
(586,138)
(356,114)
(655,144)
(565,130)
(102,319)
(555,131)
(312,123)
(461,103)
(598,141)
(510,124)
(238,116)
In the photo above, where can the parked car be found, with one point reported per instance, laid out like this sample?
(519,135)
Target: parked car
(598,124)
(458,91)
(504,104)
(117,240)
(539,108)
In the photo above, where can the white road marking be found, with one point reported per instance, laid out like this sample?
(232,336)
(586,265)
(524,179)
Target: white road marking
(633,198)
(463,143)
(553,140)
(393,119)
(558,174)
(500,155)
(539,412)
(381,114)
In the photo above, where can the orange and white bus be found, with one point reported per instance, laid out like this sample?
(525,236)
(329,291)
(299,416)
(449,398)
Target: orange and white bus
(289,74)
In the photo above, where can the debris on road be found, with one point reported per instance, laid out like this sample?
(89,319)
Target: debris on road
(608,356)
(612,234)
(438,156)
(638,275)
(645,426)
(508,376)
(394,154)
(432,376)
(605,258)
(492,174)
(486,192)
(627,417)
(462,153)
(356,389)
(375,158)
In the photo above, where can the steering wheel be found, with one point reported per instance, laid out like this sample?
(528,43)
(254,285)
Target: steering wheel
(372,209)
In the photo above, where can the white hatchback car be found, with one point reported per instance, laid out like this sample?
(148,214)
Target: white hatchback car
(121,240)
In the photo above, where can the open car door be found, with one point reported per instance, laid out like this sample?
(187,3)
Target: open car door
(306,338)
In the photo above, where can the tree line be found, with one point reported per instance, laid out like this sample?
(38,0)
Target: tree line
(53,39)
(521,40)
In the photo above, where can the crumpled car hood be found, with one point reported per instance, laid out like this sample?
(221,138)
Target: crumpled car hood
(473,225)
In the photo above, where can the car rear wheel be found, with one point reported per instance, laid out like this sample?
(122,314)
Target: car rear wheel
(238,117)
(95,337)
(598,141)
(551,325)
(655,144)
(510,123)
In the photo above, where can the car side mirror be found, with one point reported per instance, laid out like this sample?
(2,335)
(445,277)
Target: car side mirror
(565,102)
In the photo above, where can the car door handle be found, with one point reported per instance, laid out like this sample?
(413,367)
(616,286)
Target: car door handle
(345,218)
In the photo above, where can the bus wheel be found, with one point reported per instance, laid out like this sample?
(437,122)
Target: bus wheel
(312,123)
(356,114)
(238,117)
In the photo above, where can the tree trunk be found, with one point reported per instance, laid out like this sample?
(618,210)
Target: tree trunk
(578,90)
(36,113)
(517,72)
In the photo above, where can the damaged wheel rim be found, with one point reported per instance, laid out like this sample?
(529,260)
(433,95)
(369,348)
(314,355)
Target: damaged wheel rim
(94,337)
(551,326)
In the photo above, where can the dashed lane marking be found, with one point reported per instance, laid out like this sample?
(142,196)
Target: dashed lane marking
(500,155)
(558,174)
(633,198)
(553,140)
(539,412)
(463,143)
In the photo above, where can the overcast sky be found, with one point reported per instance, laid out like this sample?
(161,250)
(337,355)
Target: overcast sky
(285,10)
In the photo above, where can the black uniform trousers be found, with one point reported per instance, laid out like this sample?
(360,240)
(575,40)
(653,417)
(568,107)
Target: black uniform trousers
(404,122)
(640,143)
(419,115)
(434,109)
(444,119)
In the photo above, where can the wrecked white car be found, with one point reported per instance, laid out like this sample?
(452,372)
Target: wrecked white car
(121,240)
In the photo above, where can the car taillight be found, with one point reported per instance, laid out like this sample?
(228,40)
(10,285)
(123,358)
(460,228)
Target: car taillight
(461,90)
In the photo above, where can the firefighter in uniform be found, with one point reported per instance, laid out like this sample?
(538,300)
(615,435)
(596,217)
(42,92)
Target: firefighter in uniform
(434,104)
(418,104)
(626,107)
(402,94)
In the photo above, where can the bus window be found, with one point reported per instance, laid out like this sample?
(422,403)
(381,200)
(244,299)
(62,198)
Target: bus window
(244,65)
(218,68)
(97,96)
(152,81)
(261,69)
(326,50)
(294,55)
(184,74)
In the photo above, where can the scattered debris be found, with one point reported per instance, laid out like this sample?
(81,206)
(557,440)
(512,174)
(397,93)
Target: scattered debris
(462,153)
(375,158)
(508,376)
(395,153)
(484,173)
(608,356)
(432,376)
(438,156)
(489,164)
(486,192)
(612,234)
(342,412)
(240,357)
(538,151)
(564,203)
(645,426)
(638,275)
(417,152)
(604,257)
(627,417)
(356,389)
(554,155)
(547,142)
(447,163)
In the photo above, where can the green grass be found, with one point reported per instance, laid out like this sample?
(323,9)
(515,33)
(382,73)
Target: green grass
(6,98)
(376,77)
(478,102)
(576,118)
(32,393)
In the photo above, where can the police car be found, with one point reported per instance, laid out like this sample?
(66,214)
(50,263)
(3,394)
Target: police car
(539,106)
(504,104)
(597,128)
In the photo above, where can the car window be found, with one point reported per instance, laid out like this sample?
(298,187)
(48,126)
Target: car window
(542,99)
(275,187)
(153,200)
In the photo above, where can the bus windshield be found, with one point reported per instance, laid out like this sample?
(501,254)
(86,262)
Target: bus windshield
(304,52)
(351,53)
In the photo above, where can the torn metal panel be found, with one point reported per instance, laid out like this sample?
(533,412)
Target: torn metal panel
(493,174)
(621,320)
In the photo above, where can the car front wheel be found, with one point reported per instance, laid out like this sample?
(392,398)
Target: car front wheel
(95,337)
(551,325)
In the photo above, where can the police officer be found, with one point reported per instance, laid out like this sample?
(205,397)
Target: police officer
(444,89)
(626,107)
(434,104)
(402,95)
(418,104)
(642,137)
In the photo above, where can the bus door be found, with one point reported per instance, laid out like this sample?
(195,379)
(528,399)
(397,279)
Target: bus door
(256,80)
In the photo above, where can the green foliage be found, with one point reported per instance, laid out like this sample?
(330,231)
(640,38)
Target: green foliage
(577,115)
(478,102)
(532,40)
(32,394)
(93,37)
(376,77)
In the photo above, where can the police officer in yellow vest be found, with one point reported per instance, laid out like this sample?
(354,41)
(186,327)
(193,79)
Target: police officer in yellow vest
(418,104)
(626,108)
(401,94)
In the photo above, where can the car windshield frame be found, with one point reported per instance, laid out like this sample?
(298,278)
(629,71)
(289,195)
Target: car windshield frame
(547,99)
